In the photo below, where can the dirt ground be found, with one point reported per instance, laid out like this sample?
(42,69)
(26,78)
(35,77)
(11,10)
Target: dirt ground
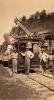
(12,89)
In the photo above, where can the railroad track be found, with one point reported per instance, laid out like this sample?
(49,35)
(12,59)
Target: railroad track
(39,82)
(51,77)
(44,80)
(45,85)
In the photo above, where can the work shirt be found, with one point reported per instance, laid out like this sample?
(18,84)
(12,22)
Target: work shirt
(28,54)
(7,52)
(9,47)
(14,55)
(43,56)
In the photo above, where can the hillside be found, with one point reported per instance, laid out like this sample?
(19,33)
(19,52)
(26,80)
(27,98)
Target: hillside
(39,21)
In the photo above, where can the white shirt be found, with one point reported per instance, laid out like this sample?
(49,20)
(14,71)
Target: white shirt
(7,52)
(43,56)
(9,47)
(28,54)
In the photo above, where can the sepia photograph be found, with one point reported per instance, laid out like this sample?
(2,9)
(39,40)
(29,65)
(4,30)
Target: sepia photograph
(26,49)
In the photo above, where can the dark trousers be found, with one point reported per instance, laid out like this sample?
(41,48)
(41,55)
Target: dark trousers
(43,65)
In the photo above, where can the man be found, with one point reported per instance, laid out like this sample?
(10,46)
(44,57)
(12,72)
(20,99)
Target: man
(8,54)
(28,55)
(9,49)
(14,57)
(43,60)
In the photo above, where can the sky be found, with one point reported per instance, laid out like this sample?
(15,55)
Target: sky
(9,9)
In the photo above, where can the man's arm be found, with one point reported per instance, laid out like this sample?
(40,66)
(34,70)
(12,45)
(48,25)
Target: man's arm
(32,55)
(23,54)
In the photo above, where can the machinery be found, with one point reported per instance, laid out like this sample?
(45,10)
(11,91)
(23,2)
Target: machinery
(33,43)
(21,42)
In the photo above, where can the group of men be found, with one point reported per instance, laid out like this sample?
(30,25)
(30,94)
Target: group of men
(13,53)
(14,56)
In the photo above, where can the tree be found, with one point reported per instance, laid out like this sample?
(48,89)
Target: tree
(50,38)
(16,20)
(6,37)
(37,15)
(24,18)
(43,15)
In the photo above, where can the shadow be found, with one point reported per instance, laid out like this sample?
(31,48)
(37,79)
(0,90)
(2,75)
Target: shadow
(4,63)
(21,71)
(32,71)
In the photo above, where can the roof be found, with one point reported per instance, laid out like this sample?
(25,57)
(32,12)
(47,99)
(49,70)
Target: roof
(44,32)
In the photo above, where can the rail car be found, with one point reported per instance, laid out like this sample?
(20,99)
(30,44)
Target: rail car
(33,45)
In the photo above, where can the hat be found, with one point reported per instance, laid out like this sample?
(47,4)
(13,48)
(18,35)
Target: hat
(29,45)
(43,49)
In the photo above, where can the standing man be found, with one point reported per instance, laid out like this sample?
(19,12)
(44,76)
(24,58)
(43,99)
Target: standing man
(8,53)
(43,60)
(14,57)
(28,55)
